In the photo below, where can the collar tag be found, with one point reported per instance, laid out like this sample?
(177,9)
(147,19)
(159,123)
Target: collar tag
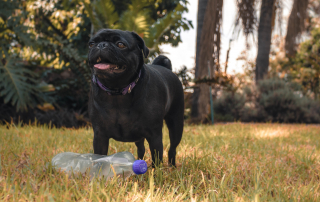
(129,90)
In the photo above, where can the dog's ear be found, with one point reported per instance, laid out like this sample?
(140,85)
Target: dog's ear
(141,44)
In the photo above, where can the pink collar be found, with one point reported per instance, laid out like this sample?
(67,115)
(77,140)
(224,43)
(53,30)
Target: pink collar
(123,91)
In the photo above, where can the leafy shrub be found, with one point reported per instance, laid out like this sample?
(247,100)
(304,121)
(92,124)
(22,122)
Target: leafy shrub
(282,103)
(229,106)
(61,117)
(274,100)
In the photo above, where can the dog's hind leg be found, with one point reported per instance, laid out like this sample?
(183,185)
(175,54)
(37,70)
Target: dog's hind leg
(174,123)
(141,148)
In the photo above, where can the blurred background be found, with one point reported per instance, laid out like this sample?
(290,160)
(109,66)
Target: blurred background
(258,60)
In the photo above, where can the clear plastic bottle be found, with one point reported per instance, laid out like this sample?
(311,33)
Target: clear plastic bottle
(122,163)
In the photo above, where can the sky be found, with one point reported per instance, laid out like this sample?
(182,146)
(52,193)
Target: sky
(184,54)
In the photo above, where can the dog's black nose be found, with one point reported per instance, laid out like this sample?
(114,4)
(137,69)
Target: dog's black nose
(102,45)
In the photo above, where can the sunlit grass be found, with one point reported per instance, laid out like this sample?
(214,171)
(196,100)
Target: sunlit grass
(232,162)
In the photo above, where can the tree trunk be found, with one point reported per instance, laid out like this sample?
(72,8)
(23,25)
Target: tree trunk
(264,38)
(196,111)
(296,25)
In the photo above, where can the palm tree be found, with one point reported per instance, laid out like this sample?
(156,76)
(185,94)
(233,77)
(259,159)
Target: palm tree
(207,54)
(296,25)
(264,38)
(195,109)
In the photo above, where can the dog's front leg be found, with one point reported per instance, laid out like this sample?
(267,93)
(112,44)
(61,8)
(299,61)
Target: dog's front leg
(156,148)
(100,144)
(141,148)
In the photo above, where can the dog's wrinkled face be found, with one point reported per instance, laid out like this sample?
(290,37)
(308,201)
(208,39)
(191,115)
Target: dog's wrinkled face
(114,53)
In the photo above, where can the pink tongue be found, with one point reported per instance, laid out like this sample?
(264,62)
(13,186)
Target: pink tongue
(102,66)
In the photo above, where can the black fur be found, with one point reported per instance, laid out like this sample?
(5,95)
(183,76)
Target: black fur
(138,115)
(162,61)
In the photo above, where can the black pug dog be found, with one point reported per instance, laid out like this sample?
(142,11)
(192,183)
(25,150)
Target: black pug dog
(129,99)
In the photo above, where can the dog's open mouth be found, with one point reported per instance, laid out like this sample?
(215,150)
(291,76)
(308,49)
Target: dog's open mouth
(106,65)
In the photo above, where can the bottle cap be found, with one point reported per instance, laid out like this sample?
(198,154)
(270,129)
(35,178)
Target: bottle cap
(139,167)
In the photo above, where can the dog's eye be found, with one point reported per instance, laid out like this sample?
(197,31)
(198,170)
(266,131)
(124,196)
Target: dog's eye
(91,44)
(121,45)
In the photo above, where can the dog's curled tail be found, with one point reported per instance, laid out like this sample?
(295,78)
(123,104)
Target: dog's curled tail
(162,61)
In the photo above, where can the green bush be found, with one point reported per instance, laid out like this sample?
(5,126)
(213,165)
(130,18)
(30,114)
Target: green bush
(228,107)
(274,100)
(283,103)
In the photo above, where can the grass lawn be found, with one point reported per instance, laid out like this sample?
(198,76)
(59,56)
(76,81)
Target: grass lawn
(231,162)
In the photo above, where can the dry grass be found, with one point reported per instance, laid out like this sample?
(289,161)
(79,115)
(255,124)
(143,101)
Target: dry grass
(232,162)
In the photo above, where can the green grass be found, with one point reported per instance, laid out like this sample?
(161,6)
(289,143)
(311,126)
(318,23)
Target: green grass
(233,162)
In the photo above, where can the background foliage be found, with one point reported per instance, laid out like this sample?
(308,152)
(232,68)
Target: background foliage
(273,100)
(304,67)
(44,75)
(43,53)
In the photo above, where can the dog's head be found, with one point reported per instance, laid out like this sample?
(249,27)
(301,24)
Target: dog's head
(116,54)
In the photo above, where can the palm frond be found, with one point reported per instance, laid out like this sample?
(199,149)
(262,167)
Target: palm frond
(105,10)
(18,84)
(246,17)
(101,13)
(92,14)
(138,24)
(163,25)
